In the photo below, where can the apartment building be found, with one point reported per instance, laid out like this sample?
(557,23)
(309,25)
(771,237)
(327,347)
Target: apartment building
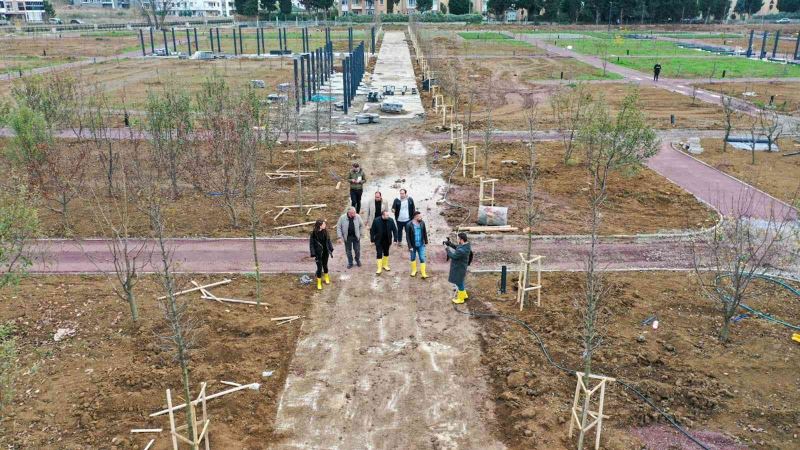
(196,8)
(25,10)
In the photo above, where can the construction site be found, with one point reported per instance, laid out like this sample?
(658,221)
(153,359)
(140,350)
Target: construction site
(176,234)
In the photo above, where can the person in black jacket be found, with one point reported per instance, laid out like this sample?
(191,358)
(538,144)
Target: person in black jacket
(403,209)
(382,234)
(321,249)
(417,239)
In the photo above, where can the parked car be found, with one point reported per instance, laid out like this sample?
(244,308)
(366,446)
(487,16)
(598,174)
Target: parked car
(55,21)
(203,55)
(160,52)
(76,22)
(783,20)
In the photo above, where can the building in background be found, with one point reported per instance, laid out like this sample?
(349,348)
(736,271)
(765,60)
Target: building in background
(194,8)
(22,10)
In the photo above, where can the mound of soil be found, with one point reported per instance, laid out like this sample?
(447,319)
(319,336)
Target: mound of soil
(740,394)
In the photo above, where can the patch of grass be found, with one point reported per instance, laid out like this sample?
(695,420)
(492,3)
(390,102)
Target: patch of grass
(625,47)
(491,35)
(13,64)
(712,67)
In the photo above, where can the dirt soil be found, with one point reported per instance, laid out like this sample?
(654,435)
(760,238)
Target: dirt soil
(89,390)
(740,395)
(197,213)
(773,172)
(450,44)
(638,202)
(787,94)
(69,45)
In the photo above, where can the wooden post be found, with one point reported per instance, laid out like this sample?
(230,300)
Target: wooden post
(482,194)
(595,417)
(171,421)
(523,284)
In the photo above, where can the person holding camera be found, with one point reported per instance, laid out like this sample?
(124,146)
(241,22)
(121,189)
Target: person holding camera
(382,233)
(460,257)
(417,239)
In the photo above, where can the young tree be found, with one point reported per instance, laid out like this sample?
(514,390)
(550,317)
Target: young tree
(531,174)
(770,126)
(60,174)
(610,143)
(740,251)
(424,5)
(458,6)
(99,126)
(155,11)
(569,106)
(487,141)
(285,7)
(729,114)
(19,223)
(59,98)
(168,123)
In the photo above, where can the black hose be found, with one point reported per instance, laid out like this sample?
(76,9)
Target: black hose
(552,362)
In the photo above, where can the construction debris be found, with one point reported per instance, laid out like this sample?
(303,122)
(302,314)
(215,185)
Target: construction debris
(205,294)
(253,386)
(149,444)
(197,288)
(287,319)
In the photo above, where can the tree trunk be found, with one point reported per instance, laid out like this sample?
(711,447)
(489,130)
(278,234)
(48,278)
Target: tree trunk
(132,303)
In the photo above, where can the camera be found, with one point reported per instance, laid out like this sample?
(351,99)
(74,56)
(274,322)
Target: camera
(448,243)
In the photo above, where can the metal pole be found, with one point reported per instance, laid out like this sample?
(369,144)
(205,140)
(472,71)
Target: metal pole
(796,46)
(372,48)
(303,78)
(219,47)
(258,41)
(750,44)
(235,48)
(308,75)
(188,42)
(296,87)
(280,40)
(241,45)
(350,40)
(312,59)
(196,44)
(166,46)
(775,45)
(141,41)
(174,47)
(152,45)
(763,53)
(345,94)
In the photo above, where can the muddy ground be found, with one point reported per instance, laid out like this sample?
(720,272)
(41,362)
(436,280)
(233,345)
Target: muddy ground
(639,201)
(740,395)
(198,213)
(773,172)
(89,390)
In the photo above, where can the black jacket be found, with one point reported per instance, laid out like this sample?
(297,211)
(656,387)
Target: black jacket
(411,238)
(318,245)
(378,230)
(396,208)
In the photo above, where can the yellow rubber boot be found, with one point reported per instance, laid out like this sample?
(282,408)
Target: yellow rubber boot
(459,298)
(413,268)
(386,263)
(319,284)
(422,271)
(327,279)
(466,295)
(380,267)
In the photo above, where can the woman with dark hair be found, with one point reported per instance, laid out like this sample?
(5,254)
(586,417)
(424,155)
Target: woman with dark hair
(321,249)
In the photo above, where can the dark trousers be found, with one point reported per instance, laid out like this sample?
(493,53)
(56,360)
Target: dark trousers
(655,75)
(383,247)
(322,265)
(351,244)
(400,227)
(355,199)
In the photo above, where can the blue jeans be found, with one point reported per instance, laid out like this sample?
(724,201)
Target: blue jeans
(460,286)
(421,251)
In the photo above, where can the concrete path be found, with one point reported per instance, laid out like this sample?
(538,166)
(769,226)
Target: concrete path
(394,68)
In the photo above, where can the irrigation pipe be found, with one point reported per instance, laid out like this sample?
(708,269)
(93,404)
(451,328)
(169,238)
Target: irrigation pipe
(552,362)
(759,313)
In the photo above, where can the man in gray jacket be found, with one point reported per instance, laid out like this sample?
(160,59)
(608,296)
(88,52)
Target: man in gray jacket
(349,229)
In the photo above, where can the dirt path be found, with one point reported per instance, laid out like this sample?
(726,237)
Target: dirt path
(385,363)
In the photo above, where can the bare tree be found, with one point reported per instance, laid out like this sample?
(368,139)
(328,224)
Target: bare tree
(260,126)
(128,255)
(99,126)
(58,97)
(769,123)
(729,113)
(168,124)
(19,223)
(60,173)
(610,143)
(155,11)
(569,106)
(741,251)
(531,174)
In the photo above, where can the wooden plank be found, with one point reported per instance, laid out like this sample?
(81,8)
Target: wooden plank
(283,318)
(254,386)
(149,444)
(316,205)
(218,283)
(232,300)
(146,430)
(280,213)
(295,225)
(504,228)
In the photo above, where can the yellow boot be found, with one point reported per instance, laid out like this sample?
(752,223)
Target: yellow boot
(327,279)
(466,295)
(380,267)
(386,263)
(460,297)
(413,268)
(422,271)
(319,284)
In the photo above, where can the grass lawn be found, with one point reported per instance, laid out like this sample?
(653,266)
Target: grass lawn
(482,35)
(13,64)
(712,67)
(624,47)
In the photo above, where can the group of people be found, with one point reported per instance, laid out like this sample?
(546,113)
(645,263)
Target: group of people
(384,230)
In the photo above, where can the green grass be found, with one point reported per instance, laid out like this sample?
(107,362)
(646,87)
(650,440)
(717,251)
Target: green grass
(690,35)
(712,67)
(13,64)
(625,47)
(489,35)
(110,34)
